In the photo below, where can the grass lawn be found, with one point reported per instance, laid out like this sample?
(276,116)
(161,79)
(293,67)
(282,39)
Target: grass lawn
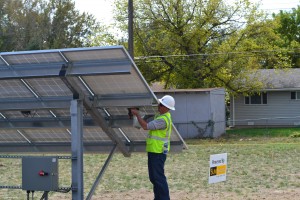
(262,163)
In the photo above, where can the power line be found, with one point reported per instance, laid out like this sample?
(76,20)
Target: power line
(215,54)
(278,9)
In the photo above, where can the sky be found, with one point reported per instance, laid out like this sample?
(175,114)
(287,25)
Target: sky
(103,9)
(276,5)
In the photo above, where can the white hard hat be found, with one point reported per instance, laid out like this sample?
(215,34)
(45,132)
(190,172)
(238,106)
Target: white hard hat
(168,101)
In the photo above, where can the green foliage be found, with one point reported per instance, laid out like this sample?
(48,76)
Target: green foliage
(101,37)
(289,27)
(191,44)
(44,24)
(262,132)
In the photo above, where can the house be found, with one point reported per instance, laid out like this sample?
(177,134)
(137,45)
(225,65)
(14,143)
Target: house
(199,112)
(277,104)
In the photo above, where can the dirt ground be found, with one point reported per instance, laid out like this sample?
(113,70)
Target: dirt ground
(147,195)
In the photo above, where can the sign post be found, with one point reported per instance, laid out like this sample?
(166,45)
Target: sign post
(218,167)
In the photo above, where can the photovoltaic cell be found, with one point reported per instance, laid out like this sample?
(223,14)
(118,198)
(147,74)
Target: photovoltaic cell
(133,134)
(92,55)
(11,136)
(66,112)
(25,114)
(47,87)
(2,64)
(116,84)
(41,113)
(13,89)
(37,58)
(94,135)
(13,114)
(61,112)
(47,135)
(117,111)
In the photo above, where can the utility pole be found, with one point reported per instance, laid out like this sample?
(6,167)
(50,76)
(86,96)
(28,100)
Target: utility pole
(130,28)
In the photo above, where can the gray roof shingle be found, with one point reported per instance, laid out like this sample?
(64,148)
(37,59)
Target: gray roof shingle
(274,79)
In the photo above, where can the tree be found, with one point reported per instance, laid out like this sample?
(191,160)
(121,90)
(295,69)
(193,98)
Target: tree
(44,24)
(68,27)
(102,37)
(289,30)
(197,43)
(9,10)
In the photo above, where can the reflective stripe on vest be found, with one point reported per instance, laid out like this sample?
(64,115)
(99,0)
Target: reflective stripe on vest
(158,138)
(166,139)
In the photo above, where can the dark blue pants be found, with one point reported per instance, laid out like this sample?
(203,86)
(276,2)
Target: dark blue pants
(156,163)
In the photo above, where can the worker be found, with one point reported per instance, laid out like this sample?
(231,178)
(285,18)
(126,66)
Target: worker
(158,145)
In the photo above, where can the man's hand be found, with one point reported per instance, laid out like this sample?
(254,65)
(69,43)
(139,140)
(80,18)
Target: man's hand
(142,122)
(134,111)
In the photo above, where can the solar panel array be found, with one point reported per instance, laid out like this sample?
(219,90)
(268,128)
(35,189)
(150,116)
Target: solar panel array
(36,88)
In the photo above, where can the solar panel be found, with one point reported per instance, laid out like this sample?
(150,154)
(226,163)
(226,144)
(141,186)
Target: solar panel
(37,87)
(2,63)
(20,59)
(47,87)
(13,89)
(95,55)
(39,135)
(11,136)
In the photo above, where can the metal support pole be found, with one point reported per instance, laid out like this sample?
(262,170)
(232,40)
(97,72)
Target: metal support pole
(45,195)
(77,149)
(130,28)
(96,183)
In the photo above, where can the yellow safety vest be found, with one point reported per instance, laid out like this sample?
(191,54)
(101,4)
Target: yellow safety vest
(158,141)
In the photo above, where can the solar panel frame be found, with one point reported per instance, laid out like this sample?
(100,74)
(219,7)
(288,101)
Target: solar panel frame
(38,87)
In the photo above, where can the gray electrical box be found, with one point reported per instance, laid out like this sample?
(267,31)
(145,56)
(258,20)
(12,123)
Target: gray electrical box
(40,173)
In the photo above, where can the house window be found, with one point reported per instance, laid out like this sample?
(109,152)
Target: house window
(295,95)
(257,99)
